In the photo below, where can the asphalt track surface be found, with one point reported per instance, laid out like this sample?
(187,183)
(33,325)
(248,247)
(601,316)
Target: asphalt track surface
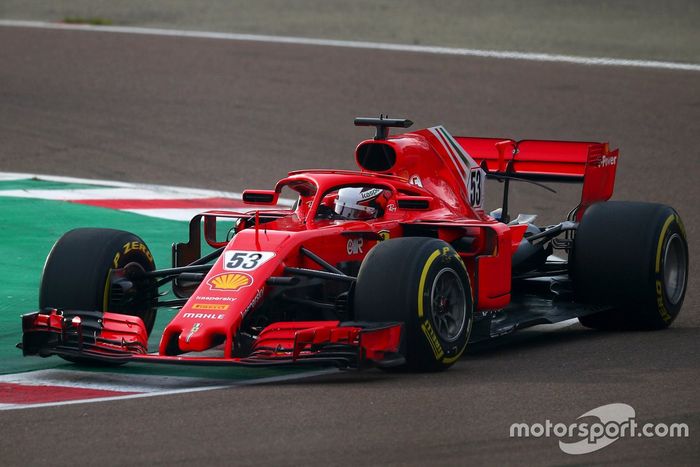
(230,115)
(637,29)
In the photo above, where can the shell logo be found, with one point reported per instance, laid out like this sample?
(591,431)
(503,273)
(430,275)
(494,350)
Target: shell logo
(230,281)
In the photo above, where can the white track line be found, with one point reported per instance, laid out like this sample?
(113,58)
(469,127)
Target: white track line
(79,194)
(12,176)
(104,381)
(272,379)
(121,190)
(509,55)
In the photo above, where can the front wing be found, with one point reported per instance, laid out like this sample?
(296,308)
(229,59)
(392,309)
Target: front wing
(114,338)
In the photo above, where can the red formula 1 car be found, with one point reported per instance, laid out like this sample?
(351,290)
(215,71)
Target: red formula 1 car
(393,265)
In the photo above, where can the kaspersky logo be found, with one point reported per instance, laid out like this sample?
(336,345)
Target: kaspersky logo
(230,281)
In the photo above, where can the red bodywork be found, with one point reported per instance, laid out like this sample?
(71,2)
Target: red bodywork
(436,183)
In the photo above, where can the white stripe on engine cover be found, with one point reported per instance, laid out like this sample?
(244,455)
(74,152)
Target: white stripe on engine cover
(436,131)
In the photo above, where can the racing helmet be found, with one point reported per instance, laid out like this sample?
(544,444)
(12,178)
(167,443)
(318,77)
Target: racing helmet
(361,202)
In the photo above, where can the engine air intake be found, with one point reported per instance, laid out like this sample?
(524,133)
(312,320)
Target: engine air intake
(376,157)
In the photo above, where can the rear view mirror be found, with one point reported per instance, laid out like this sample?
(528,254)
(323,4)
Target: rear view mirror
(260,197)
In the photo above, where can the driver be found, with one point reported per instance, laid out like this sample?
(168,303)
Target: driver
(361,202)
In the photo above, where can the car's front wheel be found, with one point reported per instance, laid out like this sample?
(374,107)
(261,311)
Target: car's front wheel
(423,283)
(77,274)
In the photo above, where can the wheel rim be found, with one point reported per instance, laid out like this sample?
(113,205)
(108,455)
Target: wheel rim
(448,305)
(675,269)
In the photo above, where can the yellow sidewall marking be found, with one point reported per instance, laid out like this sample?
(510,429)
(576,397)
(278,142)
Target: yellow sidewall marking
(432,339)
(660,303)
(681,226)
(425,326)
(454,358)
(459,258)
(421,284)
(661,241)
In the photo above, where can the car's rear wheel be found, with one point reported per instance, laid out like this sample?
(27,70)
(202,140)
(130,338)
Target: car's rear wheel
(633,257)
(423,283)
(77,274)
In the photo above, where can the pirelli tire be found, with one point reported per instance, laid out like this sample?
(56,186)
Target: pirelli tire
(77,270)
(423,283)
(632,257)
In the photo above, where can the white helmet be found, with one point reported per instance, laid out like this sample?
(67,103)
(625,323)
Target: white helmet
(358,202)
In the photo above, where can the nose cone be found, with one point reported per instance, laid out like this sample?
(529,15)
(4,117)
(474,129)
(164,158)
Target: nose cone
(194,339)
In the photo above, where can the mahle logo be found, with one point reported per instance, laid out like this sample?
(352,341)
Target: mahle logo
(613,421)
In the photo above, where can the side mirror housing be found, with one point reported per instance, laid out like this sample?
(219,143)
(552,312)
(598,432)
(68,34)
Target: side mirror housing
(260,197)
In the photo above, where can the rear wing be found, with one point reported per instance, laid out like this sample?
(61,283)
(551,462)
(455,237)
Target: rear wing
(590,163)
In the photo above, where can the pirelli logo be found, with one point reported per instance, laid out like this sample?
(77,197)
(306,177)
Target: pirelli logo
(209,306)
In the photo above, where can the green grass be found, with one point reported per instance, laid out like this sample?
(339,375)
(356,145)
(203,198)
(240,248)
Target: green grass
(30,229)
(94,21)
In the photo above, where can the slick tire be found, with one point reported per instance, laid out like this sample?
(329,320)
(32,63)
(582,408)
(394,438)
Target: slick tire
(76,273)
(633,257)
(423,283)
